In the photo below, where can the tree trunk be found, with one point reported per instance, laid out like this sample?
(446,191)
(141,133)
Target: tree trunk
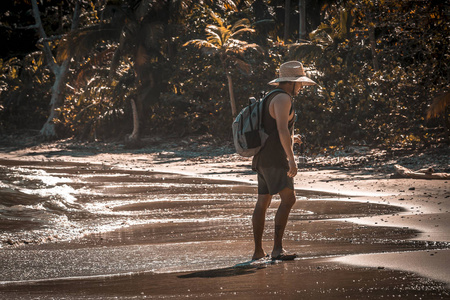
(373,49)
(145,82)
(48,130)
(135,134)
(287,13)
(302,21)
(230,90)
(373,42)
(402,172)
(447,124)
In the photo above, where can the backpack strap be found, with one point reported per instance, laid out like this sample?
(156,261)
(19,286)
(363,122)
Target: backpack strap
(281,91)
(274,91)
(268,95)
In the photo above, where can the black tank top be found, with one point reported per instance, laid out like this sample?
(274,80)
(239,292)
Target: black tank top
(272,155)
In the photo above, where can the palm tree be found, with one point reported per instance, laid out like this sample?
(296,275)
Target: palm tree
(223,40)
(320,38)
(131,32)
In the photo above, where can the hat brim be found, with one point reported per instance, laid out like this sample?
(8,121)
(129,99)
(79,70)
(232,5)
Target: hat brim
(303,79)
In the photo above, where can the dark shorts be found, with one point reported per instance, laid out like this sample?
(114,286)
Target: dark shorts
(273,180)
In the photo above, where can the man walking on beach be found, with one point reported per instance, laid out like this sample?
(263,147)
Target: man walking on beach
(275,163)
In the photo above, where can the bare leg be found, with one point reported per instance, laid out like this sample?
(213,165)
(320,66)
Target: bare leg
(258,220)
(287,201)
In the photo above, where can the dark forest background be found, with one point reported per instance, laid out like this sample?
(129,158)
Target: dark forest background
(121,70)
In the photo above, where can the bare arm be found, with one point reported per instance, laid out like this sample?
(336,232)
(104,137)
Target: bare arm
(281,108)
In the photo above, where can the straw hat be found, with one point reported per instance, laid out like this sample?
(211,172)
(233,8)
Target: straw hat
(292,71)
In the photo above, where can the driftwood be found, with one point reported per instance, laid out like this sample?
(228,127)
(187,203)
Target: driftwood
(402,172)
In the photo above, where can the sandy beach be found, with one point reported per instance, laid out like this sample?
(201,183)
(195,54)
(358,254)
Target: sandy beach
(359,233)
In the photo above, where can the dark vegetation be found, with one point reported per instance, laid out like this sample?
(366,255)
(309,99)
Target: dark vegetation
(154,68)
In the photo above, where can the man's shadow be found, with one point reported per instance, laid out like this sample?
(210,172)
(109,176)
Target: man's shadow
(248,267)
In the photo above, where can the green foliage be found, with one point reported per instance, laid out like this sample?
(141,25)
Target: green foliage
(182,91)
(24,85)
(387,107)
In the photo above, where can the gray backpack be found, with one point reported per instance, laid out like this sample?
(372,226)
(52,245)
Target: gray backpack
(249,135)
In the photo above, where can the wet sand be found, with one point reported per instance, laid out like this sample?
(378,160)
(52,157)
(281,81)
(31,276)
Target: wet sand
(356,235)
(290,280)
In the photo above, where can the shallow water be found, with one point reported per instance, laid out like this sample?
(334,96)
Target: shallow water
(61,201)
(68,220)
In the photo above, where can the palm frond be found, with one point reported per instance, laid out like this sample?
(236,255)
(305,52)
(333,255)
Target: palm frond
(240,49)
(302,50)
(320,36)
(225,34)
(242,31)
(236,42)
(93,61)
(245,23)
(256,47)
(219,34)
(79,43)
(214,28)
(216,18)
(229,5)
(230,52)
(439,105)
(214,35)
(213,39)
(199,44)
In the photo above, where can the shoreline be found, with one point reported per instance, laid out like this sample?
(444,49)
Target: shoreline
(425,202)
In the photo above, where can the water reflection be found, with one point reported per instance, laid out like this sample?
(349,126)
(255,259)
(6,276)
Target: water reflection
(61,220)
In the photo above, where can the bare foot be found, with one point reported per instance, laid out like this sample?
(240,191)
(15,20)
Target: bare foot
(259,255)
(277,252)
(282,255)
